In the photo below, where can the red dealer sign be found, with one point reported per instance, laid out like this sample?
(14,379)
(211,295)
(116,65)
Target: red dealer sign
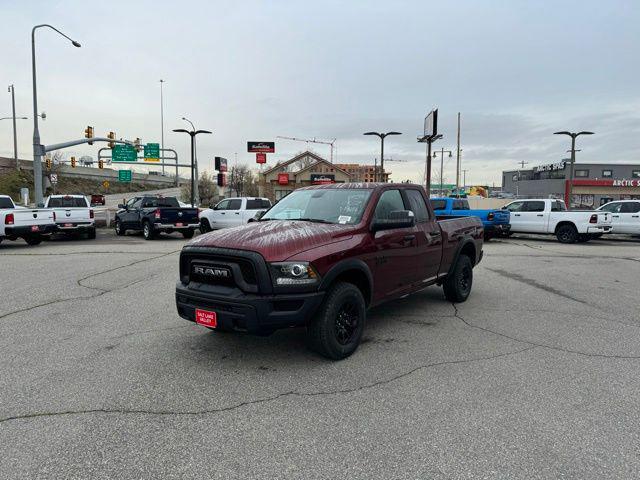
(283,179)
(261,158)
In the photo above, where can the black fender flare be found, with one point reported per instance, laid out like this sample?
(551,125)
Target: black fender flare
(464,241)
(344,266)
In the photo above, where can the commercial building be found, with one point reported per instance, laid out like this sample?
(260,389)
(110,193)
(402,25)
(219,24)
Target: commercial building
(363,173)
(594,184)
(306,168)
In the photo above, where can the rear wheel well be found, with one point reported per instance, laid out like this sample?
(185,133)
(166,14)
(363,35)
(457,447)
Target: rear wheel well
(564,224)
(357,278)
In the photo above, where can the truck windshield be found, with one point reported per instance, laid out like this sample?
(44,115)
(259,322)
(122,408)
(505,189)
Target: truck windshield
(67,202)
(344,206)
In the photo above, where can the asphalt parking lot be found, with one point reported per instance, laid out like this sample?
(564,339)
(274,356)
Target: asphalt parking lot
(535,376)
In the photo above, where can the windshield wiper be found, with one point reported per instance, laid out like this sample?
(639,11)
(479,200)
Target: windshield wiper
(314,220)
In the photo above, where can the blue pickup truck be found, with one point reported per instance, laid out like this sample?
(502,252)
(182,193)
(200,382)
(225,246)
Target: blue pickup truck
(495,222)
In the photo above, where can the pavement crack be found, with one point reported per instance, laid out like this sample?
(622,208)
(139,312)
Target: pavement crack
(541,345)
(236,406)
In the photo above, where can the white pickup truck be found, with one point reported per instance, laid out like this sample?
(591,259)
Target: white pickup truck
(73,214)
(232,212)
(625,216)
(26,223)
(550,216)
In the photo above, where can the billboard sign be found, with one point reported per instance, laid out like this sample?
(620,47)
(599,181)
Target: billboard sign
(221,164)
(322,178)
(431,124)
(261,147)
(261,158)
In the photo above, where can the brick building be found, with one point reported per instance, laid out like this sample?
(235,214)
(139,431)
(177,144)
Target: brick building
(362,173)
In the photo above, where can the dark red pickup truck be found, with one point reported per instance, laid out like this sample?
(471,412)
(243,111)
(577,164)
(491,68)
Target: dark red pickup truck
(321,257)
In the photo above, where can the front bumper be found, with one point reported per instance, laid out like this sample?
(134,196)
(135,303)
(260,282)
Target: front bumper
(26,231)
(256,314)
(599,229)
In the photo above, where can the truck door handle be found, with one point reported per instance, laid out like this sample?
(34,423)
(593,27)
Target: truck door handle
(221,213)
(540,215)
(409,238)
(616,216)
(435,233)
(635,216)
(516,214)
(237,213)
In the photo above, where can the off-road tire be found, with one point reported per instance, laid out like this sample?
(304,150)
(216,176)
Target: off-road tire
(336,330)
(457,285)
(187,234)
(91,234)
(204,225)
(120,231)
(567,234)
(147,231)
(33,240)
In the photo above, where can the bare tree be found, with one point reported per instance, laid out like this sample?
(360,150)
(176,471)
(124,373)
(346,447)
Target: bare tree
(207,190)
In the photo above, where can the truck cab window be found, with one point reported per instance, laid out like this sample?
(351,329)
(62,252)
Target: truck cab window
(390,201)
(417,206)
(515,207)
(534,207)
(235,204)
(223,205)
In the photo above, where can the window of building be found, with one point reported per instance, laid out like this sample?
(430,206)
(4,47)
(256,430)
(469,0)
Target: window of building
(582,173)
(607,173)
(635,173)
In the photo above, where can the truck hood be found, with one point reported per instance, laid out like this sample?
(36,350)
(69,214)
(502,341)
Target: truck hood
(275,240)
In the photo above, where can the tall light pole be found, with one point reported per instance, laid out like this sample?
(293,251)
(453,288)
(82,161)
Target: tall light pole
(38,150)
(162,124)
(435,154)
(13,117)
(464,181)
(382,137)
(573,136)
(192,134)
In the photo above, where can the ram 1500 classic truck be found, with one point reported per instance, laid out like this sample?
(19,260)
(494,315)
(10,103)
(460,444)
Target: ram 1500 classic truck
(321,257)
(232,212)
(154,214)
(30,224)
(73,214)
(550,216)
(625,216)
(495,222)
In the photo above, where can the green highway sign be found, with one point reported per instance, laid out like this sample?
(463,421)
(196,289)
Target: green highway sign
(124,175)
(124,153)
(152,152)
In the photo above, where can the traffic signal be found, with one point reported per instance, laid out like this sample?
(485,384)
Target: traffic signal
(88,133)
(111,136)
(137,144)
(47,162)
(73,162)
(100,163)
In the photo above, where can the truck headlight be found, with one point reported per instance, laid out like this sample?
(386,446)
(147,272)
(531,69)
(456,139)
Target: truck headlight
(293,273)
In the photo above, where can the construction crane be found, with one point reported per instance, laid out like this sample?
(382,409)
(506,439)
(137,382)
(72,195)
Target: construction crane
(313,140)
(394,160)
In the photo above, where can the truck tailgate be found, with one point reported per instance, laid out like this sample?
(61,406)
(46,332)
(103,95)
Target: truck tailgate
(72,215)
(25,216)
(173,216)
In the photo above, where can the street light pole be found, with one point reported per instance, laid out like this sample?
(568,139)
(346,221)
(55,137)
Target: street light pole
(192,134)
(573,136)
(38,149)
(464,181)
(162,123)
(382,137)
(435,154)
(15,134)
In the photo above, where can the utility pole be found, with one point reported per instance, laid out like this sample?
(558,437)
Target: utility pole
(573,136)
(435,154)
(522,163)
(15,134)
(162,122)
(458,159)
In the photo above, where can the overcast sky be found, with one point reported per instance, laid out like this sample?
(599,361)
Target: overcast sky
(252,70)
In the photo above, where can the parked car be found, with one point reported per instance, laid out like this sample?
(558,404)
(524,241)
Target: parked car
(495,222)
(352,246)
(73,214)
(625,216)
(153,214)
(30,224)
(550,216)
(98,199)
(232,212)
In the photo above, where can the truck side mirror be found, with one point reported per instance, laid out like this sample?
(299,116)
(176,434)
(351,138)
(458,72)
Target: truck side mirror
(40,205)
(396,219)
(122,206)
